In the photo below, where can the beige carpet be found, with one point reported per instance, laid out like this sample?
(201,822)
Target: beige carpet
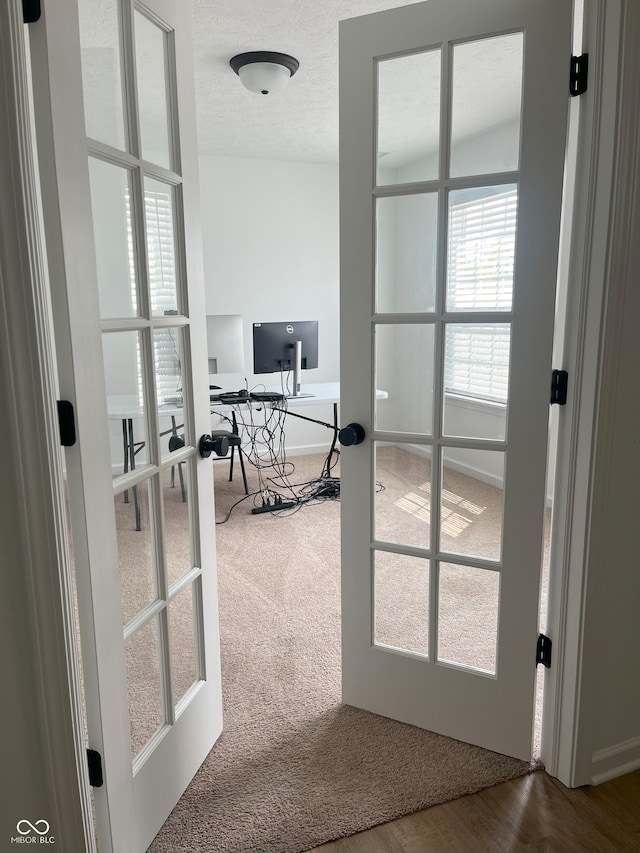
(293,767)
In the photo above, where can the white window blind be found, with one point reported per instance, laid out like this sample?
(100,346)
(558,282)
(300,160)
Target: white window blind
(481,247)
(162,286)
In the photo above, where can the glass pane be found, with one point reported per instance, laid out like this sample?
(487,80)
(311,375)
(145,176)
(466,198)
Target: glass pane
(471,508)
(182,623)
(161,253)
(481,248)
(151,73)
(401,591)
(113,235)
(138,586)
(176,486)
(468,601)
(168,359)
(125,400)
(476,368)
(406,253)
(101,71)
(403,495)
(408,118)
(486,106)
(465,417)
(144,684)
(404,369)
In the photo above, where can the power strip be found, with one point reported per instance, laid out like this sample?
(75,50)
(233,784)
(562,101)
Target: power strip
(256,510)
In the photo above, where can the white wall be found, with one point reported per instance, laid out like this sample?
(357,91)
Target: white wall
(271,254)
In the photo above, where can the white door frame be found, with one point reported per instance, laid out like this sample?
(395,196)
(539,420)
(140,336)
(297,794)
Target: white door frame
(598,272)
(45,753)
(49,736)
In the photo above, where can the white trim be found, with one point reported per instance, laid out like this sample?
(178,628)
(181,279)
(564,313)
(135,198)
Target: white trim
(307,449)
(40,590)
(569,518)
(477,404)
(464,468)
(600,252)
(627,752)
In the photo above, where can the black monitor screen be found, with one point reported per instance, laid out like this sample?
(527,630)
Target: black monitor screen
(273,345)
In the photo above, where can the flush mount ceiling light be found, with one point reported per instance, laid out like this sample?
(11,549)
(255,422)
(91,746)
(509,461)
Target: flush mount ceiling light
(263,71)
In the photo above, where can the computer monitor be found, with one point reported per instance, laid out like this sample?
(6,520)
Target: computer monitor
(279,347)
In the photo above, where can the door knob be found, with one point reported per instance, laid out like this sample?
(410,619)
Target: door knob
(351,434)
(216,442)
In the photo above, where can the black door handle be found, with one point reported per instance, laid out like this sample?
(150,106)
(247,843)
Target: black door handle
(351,434)
(215,442)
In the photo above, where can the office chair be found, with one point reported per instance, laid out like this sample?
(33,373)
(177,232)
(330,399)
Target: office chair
(235,441)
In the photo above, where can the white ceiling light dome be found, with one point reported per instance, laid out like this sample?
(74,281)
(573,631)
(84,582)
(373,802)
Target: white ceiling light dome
(264,71)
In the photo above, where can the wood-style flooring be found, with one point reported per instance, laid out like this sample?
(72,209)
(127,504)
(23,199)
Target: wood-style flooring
(533,814)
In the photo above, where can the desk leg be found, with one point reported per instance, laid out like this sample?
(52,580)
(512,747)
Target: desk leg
(234,427)
(180,474)
(244,473)
(174,431)
(332,449)
(132,465)
(125,445)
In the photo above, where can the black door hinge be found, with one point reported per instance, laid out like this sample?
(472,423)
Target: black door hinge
(31,11)
(578,75)
(543,651)
(94,760)
(67,423)
(559,383)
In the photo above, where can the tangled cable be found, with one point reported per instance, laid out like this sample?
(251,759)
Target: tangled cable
(264,447)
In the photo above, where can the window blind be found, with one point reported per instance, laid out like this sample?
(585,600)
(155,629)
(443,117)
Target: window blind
(161,267)
(481,248)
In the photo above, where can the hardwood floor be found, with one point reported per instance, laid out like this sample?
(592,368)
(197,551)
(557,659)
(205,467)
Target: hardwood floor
(533,814)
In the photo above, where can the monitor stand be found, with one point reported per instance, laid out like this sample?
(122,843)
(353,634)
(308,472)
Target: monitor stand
(297,367)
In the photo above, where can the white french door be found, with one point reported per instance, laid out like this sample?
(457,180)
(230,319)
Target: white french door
(115,121)
(452,137)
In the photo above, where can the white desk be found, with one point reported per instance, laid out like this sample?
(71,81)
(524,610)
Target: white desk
(126,408)
(318,394)
(323,392)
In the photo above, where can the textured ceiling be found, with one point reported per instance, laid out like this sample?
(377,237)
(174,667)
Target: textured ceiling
(302,122)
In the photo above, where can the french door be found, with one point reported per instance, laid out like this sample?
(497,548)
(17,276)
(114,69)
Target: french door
(115,120)
(452,121)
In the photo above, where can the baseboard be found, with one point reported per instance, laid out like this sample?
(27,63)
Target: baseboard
(615,761)
(462,467)
(305,449)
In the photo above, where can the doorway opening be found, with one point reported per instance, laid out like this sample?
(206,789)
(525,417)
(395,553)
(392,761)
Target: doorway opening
(466,506)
